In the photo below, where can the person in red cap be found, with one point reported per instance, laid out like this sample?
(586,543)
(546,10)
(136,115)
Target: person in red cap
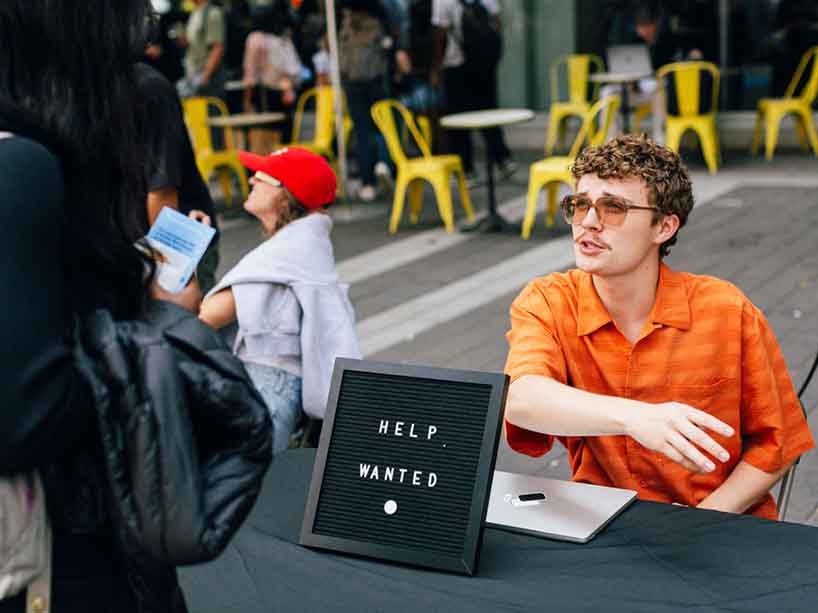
(294,315)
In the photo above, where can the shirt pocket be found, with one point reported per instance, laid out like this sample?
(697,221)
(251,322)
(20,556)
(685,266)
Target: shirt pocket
(717,398)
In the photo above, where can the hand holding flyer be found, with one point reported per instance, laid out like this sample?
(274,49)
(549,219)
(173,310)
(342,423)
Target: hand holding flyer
(182,242)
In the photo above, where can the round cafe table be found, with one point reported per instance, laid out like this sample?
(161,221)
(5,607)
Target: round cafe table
(245,121)
(625,79)
(493,222)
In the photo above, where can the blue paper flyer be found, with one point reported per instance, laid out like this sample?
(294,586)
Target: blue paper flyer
(182,242)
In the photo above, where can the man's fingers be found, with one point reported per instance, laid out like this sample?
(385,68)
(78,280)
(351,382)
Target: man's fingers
(708,421)
(671,452)
(694,435)
(689,451)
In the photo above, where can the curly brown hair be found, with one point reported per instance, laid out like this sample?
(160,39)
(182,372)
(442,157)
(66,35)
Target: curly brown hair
(668,182)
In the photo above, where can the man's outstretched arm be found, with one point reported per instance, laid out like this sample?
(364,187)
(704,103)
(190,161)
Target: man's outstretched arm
(674,429)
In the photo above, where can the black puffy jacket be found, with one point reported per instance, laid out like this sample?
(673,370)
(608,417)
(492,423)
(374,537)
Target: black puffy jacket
(186,440)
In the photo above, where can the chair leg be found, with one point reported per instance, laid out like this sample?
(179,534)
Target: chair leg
(553,193)
(801,132)
(674,136)
(757,132)
(551,138)
(397,203)
(530,208)
(415,200)
(224,181)
(809,128)
(771,139)
(242,178)
(710,148)
(465,198)
(443,195)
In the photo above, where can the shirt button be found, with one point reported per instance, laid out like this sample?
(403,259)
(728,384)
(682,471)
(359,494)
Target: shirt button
(643,483)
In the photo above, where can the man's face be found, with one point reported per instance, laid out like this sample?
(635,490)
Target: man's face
(648,31)
(610,251)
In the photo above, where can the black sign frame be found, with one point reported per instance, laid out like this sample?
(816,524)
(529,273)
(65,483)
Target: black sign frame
(467,560)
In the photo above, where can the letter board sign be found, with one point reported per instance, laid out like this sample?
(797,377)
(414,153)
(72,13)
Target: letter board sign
(404,466)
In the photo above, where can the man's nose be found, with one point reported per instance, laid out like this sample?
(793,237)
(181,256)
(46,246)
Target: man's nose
(591,219)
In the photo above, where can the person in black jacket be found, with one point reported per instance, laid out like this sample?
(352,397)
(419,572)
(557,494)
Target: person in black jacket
(72,180)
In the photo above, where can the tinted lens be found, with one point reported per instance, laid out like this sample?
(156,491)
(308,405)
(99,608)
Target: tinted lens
(574,208)
(612,211)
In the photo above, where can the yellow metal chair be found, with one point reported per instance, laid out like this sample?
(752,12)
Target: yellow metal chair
(687,80)
(578,67)
(554,170)
(207,160)
(771,110)
(324,134)
(435,169)
(642,111)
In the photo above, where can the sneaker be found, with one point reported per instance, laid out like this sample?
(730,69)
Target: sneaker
(367,193)
(473,180)
(506,168)
(384,177)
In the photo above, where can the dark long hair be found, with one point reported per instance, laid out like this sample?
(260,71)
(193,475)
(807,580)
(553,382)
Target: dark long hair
(66,80)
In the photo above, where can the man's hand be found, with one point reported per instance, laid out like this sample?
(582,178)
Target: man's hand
(675,430)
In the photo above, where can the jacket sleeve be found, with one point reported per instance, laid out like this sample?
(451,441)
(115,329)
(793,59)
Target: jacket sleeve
(327,332)
(45,404)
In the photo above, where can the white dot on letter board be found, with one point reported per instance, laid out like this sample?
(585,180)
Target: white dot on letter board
(390,507)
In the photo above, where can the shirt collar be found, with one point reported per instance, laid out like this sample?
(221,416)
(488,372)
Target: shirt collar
(671,308)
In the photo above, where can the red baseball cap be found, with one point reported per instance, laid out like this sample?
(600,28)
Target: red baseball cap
(305,174)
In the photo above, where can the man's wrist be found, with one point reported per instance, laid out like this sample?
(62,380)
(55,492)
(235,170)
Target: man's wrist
(624,412)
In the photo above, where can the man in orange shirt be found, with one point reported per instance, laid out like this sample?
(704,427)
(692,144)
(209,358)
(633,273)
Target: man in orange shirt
(667,383)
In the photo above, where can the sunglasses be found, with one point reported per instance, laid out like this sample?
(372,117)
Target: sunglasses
(610,210)
(265,178)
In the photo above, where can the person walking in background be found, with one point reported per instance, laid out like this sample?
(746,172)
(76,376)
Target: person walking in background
(293,313)
(204,40)
(162,52)
(272,69)
(468,48)
(363,62)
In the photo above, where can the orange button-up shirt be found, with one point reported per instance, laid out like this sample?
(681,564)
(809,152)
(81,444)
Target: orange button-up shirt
(704,344)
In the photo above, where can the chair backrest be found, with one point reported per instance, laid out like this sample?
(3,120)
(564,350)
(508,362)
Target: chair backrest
(324,115)
(578,68)
(687,83)
(383,114)
(197,112)
(606,109)
(810,89)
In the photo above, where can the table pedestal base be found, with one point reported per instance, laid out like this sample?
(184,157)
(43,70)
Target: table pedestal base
(491,223)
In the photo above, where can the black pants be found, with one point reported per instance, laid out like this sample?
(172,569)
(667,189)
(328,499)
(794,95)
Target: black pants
(467,90)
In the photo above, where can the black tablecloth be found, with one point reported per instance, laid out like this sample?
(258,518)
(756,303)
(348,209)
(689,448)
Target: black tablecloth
(652,558)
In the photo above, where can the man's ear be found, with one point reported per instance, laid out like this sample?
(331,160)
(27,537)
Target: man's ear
(665,228)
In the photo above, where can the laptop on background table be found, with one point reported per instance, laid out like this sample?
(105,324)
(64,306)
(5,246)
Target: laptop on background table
(561,510)
(629,58)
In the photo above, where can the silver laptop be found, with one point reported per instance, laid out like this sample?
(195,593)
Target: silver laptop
(629,58)
(561,510)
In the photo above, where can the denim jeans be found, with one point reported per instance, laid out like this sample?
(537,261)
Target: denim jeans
(281,391)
